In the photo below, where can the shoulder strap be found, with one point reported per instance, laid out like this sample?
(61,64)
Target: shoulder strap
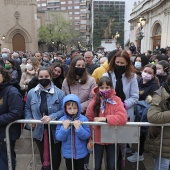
(69,88)
(110,77)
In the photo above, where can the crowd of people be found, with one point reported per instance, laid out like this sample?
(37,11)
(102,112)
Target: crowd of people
(114,87)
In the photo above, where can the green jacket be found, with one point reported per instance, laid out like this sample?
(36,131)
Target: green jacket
(159,113)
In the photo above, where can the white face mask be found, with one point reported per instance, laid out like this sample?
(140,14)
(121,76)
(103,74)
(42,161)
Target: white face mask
(29,66)
(146,76)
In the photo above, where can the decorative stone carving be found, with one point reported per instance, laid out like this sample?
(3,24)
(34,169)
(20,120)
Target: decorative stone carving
(167,11)
(17,15)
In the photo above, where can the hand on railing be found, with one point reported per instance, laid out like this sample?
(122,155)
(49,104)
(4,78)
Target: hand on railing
(33,125)
(45,119)
(66,123)
(77,124)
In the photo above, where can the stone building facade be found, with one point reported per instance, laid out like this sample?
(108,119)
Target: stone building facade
(19,25)
(155,33)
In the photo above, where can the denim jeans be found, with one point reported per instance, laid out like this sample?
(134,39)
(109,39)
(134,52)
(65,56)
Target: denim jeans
(164,164)
(110,156)
(4,158)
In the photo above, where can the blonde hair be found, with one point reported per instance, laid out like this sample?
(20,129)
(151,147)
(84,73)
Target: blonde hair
(35,63)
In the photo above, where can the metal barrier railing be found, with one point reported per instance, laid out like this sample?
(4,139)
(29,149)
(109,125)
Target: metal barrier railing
(129,133)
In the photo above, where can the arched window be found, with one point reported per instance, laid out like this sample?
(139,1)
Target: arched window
(157,30)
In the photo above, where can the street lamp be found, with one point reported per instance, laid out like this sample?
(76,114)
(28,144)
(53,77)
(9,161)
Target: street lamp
(141,22)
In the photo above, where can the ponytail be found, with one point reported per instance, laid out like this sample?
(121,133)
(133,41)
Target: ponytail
(96,107)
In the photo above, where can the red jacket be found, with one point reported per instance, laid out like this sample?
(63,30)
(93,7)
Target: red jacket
(115,113)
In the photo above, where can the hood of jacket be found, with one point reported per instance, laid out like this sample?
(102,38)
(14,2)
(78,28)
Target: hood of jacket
(74,98)
(162,95)
(13,82)
(95,90)
(105,65)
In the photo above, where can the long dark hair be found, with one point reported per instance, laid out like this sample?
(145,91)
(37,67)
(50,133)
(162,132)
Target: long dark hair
(58,80)
(97,103)
(71,76)
(53,66)
(12,62)
(129,68)
(5,74)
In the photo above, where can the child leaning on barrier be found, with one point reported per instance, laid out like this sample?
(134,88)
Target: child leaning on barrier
(74,140)
(105,107)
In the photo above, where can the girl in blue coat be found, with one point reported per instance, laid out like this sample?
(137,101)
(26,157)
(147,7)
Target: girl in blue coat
(74,140)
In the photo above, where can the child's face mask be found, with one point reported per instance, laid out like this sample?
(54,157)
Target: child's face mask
(104,93)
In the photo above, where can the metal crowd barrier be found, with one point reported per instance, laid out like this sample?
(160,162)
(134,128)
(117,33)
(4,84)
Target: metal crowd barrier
(130,133)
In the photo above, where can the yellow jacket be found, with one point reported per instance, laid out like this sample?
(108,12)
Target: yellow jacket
(98,72)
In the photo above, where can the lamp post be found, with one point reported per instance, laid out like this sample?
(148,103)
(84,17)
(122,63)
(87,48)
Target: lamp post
(141,24)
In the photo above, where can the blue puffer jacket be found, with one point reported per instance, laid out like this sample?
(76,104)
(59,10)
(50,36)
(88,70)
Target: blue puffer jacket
(79,136)
(54,102)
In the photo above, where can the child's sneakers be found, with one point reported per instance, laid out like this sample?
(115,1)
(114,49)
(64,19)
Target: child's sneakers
(133,158)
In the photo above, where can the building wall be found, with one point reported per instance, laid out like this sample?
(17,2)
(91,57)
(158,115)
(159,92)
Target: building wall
(155,12)
(108,17)
(17,19)
(78,13)
(128,11)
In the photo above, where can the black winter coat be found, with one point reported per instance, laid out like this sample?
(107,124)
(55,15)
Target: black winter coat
(147,88)
(11,109)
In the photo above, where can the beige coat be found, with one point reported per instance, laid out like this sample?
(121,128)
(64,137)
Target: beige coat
(159,113)
(25,79)
(83,91)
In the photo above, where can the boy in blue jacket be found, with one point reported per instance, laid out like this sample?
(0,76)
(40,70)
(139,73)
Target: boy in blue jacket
(74,143)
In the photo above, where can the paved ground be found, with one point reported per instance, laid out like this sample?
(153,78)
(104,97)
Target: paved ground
(25,158)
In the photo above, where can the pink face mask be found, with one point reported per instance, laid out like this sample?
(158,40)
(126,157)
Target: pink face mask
(105,93)
(159,72)
(146,76)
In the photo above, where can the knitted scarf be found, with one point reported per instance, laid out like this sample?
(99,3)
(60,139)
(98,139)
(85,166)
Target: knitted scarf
(119,86)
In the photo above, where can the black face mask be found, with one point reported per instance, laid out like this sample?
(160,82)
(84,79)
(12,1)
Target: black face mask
(120,69)
(79,71)
(44,82)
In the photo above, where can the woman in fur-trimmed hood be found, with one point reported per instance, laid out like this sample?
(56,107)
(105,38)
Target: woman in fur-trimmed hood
(159,113)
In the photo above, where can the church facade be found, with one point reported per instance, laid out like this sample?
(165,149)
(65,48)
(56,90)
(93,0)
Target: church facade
(18,25)
(154,32)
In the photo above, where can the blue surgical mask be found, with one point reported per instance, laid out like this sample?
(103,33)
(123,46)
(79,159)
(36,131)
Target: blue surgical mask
(4,55)
(138,64)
